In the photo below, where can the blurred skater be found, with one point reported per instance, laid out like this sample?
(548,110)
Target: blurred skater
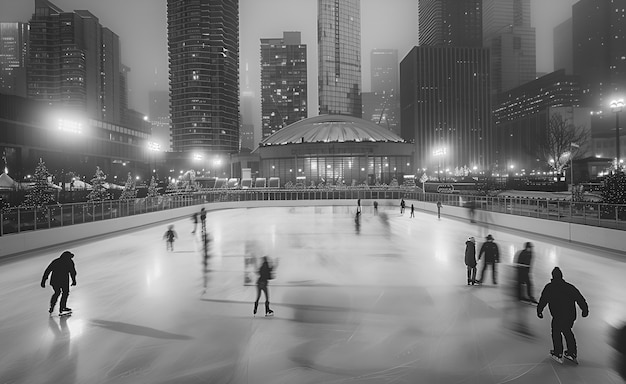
(358,207)
(561,297)
(412,211)
(170,236)
(61,268)
(375,207)
(266,273)
(524,259)
(619,343)
(439,209)
(402,206)
(470,260)
(194,218)
(203,219)
(492,257)
(471,206)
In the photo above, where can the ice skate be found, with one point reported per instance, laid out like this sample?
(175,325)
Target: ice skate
(51,310)
(571,357)
(65,311)
(558,358)
(269,313)
(256,305)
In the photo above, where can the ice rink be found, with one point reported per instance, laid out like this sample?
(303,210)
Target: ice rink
(382,300)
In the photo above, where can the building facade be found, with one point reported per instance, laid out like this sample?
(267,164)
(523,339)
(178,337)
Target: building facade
(599,48)
(511,41)
(283,82)
(13,56)
(445,107)
(450,23)
(563,47)
(339,55)
(382,104)
(203,47)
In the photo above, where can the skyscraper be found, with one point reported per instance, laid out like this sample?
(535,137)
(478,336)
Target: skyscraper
(455,23)
(203,46)
(563,54)
(13,54)
(511,41)
(599,49)
(382,103)
(283,82)
(339,55)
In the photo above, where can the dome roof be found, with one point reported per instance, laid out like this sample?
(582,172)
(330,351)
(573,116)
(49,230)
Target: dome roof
(331,129)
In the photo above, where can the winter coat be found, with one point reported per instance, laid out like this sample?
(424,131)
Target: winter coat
(470,254)
(61,268)
(265,273)
(561,296)
(524,258)
(491,251)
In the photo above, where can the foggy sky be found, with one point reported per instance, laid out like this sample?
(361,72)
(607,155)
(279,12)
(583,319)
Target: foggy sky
(141,26)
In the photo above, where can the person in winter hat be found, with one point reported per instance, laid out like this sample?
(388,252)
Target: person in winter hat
(561,298)
(492,257)
(470,260)
(61,268)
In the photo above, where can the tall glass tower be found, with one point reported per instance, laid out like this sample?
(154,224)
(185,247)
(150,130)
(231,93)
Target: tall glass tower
(203,45)
(339,45)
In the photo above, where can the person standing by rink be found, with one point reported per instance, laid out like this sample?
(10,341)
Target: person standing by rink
(61,268)
(402,206)
(266,273)
(492,257)
(524,259)
(412,210)
(470,260)
(439,209)
(561,298)
(169,237)
(358,207)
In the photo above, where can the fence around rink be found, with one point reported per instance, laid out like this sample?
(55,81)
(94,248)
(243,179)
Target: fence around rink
(18,220)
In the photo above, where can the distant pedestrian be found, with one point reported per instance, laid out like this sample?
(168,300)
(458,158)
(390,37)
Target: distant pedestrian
(524,260)
(412,211)
(203,219)
(62,269)
(375,207)
(402,206)
(492,257)
(194,218)
(561,297)
(170,236)
(266,273)
(470,260)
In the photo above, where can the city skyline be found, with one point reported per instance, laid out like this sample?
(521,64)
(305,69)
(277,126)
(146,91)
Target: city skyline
(149,70)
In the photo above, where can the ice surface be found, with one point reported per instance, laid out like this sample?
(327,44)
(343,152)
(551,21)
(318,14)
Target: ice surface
(382,300)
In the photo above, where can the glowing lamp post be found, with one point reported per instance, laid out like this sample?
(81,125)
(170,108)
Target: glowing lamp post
(617,106)
(439,153)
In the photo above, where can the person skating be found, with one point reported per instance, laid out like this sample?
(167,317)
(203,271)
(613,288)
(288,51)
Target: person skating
(375,207)
(402,206)
(62,269)
(266,273)
(203,219)
(492,257)
(412,210)
(169,236)
(524,259)
(194,218)
(470,260)
(561,298)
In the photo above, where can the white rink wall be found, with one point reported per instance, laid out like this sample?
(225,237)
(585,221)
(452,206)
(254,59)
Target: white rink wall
(22,243)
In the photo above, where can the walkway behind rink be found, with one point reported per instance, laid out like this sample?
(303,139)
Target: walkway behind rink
(382,301)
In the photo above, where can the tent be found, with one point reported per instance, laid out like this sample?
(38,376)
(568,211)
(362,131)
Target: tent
(6,182)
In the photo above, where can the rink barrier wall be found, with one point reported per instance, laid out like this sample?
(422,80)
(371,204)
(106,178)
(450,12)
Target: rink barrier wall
(56,238)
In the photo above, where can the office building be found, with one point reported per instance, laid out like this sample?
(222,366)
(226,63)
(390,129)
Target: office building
(455,23)
(445,106)
(13,55)
(599,48)
(382,106)
(203,47)
(283,82)
(563,49)
(159,117)
(511,41)
(339,55)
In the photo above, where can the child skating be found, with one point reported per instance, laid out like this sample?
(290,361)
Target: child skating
(170,236)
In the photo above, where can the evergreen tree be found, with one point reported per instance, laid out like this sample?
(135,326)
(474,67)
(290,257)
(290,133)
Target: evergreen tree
(99,191)
(614,188)
(152,188)
(130,190)
(41,193)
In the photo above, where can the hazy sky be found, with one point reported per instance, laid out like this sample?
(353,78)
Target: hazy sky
(141,25)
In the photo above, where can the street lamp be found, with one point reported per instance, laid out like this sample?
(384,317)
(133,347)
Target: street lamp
(617,106)
(571,165)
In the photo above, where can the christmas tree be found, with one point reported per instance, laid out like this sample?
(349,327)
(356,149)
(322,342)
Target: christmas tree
(41,193)
(130,190)
(99,191)
(152,188)
(614,188)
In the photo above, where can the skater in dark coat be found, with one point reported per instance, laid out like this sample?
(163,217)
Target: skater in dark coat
(402,205)
(492,257)
(203,219)
(561,298)
(61,269)
(266,273)
(194,218)
(524,259)
(412,210)
(170,236)
(470,260)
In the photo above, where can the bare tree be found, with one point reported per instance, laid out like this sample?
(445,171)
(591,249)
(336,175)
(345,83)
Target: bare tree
(561,141)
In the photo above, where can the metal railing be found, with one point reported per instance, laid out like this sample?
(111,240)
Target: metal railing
(18,220)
